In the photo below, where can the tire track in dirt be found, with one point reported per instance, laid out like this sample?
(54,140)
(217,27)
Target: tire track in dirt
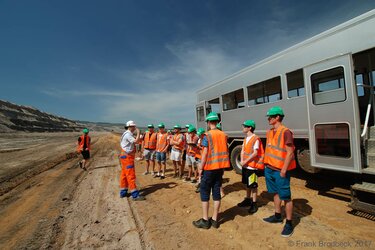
(31,211)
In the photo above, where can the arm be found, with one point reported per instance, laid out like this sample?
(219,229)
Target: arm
(137,137)
(246,160)
(288,159)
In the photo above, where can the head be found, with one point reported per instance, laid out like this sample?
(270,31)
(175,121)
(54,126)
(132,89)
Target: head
(85,131)
(212,120)
(161,127)
(275,115)
(169,132)
(151,128)
(192,130)
(130,125)
(248,125)
(177,128)
(201,132)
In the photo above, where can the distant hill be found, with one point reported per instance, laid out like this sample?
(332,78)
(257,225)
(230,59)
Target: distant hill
(14,117)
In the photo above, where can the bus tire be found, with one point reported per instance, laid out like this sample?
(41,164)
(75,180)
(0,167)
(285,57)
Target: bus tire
(235,159)
(303,156)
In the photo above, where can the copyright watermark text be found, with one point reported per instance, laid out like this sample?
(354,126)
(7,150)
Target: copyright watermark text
(330,244)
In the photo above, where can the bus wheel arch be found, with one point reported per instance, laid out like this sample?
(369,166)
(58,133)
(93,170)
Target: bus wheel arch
(303,159)
(235,160)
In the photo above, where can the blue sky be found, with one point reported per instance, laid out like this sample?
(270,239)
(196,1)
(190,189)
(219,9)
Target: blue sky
(114,61)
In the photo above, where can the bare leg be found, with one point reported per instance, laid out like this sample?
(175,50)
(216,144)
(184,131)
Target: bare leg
(205,206)
(289,209)
(277,201)
(216,210)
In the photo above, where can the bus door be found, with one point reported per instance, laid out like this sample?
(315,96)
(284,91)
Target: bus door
(332,108)
(201,115)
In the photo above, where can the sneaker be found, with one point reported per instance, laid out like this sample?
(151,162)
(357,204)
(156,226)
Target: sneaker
(146,173)
(288,230)
(253,208)
(197,190)
(245,203)
(80,164)
(162,177)
(156,175)
(214,223)
(193,181)
(181,177)
(273,219)
(202,223)
(153,173)
(139,198)
(123,193)
(187,179)
(175,176)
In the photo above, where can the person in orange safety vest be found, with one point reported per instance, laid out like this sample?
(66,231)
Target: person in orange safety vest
(161,150)
(149,149)
(128,150)
(279,161)
(83,147)
(215,158)
(252,154)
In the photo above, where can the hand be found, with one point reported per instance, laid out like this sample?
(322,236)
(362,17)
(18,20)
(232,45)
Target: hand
(137,130)
(283,173)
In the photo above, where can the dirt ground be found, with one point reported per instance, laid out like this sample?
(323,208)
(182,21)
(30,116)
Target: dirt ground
(47,201)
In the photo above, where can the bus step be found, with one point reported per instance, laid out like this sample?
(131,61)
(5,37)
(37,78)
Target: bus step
(362,206)
(363,197)
(369,170)
(364,187)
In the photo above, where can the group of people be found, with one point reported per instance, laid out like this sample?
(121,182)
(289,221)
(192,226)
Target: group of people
(207,155)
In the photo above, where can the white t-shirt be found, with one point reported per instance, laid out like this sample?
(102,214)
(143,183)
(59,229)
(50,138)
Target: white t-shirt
(255,147)
(127,141)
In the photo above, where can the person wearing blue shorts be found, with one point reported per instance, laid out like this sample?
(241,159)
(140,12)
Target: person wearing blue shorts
(161,151)
(215,158)
(279,161)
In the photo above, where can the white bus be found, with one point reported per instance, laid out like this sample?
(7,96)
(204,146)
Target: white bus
(325,86)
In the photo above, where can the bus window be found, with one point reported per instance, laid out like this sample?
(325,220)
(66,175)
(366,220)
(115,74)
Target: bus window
(333,140)
(264,92)
(234,100)
(359,82)
(200,114)
(214,105)
(328,86)
(295,83)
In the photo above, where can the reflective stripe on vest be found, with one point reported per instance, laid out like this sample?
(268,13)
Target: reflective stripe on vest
(276,149)
(217,153)
(256,162)
(150,141)
(82,142)
(180,146)
(161,141)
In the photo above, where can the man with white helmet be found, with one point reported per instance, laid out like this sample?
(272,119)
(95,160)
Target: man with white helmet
(127,178)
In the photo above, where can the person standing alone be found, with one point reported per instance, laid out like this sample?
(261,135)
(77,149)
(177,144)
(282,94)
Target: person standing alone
(127,177)
(83,147)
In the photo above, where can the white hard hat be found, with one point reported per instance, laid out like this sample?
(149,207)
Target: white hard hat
(130,124)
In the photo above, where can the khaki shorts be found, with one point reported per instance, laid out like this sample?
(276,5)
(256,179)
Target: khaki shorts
(190,161)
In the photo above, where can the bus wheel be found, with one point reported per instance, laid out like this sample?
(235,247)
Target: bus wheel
(235,159)
(303,156)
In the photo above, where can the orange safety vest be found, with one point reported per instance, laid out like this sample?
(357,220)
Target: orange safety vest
(217,153)
(82,142)
(193,149)
(248,149)
(161,141)
(149,140)
(179,147)
(276,149)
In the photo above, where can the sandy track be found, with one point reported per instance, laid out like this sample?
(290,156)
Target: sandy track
(67,208)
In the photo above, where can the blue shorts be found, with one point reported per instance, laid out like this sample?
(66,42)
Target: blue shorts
(211,180)
(161,157)
(277,184)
